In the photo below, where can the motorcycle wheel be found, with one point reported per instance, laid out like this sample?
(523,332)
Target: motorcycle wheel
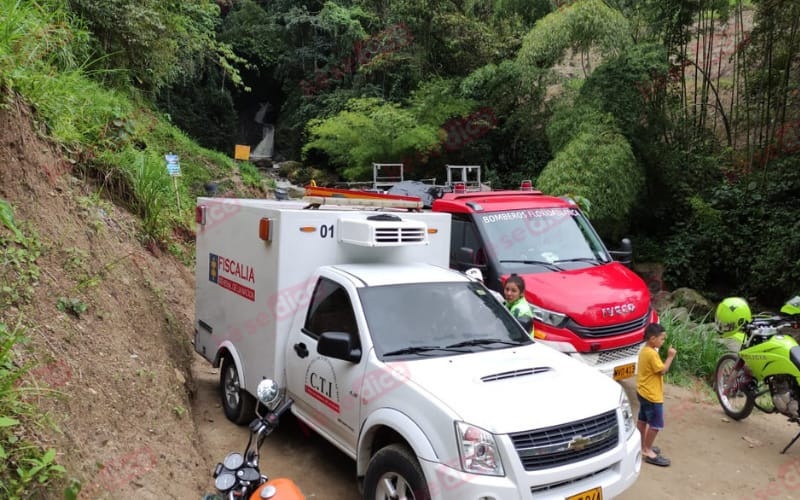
(237,403)
(394,473)
(735,401)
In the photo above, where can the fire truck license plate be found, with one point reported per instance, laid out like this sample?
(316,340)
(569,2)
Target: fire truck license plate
(624,371)
(593,494)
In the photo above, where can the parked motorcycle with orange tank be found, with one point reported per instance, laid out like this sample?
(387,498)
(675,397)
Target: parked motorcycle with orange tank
(238,476)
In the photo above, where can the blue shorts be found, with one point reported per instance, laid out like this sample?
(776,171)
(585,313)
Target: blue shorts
(652,413)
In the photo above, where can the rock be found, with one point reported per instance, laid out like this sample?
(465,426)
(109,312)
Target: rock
(698,306)
(180,377)
(662,301)
(680,314)
(732,345)
(287,167)
(752,442)
(653,274)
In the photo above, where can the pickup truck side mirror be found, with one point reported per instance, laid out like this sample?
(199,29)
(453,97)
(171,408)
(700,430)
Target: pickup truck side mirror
(338,345)
(625,254)
(527,324)
(465,257)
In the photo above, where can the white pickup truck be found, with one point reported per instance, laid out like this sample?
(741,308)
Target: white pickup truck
(410,368)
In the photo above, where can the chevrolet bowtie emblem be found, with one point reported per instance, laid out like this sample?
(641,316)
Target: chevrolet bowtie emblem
(578,443)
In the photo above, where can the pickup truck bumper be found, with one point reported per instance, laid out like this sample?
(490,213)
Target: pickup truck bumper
(613,471)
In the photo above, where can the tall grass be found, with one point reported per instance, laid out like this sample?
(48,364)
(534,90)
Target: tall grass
(698,349)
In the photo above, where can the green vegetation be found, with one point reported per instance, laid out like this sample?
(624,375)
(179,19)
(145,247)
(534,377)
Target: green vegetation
(369,129)
(698,349)
(73,306)
(596,165)
(111,133)
(25,468)
(579,25)
(19,271)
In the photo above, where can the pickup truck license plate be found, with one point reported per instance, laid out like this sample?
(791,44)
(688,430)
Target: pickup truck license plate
(624,371)
(593,494)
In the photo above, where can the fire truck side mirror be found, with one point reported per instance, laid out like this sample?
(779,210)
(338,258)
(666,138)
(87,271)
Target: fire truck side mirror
(625,254)
(339,345)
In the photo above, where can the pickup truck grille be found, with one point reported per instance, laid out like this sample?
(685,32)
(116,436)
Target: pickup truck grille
(568,443)
(608,331)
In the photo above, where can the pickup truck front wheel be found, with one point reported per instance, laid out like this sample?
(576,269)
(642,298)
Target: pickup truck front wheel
(237,402)
(393,473)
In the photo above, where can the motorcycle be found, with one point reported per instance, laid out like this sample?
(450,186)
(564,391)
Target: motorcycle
(765,372)
(238,476)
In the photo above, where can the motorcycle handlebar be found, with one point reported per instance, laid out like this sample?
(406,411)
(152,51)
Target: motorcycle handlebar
(274,416)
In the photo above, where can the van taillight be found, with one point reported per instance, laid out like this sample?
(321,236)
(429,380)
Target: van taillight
(200,214)
(526,186)
(460,188)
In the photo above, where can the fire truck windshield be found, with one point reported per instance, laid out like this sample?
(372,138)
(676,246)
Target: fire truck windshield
(547,237)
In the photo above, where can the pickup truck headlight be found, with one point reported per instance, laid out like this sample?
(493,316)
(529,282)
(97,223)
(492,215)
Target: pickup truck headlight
(478,450)
(627,413)
(548,317)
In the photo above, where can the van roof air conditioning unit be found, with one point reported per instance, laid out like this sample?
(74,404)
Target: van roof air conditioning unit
(383,230)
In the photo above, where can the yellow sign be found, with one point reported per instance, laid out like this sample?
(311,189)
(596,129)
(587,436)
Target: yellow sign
(241,152)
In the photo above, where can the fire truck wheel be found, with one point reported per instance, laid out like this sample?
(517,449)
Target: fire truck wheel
(238,404)
(393,472)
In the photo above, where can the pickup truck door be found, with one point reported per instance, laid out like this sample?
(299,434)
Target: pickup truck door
(325,389)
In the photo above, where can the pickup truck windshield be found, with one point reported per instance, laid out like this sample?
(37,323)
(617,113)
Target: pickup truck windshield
(437,319)
(543,237)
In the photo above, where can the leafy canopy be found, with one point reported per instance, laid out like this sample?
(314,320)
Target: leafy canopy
(598,165)
(369,130)
(579,26)
(158,43)
(373,130)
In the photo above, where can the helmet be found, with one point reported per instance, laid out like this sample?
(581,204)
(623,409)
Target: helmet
(792,307)
(732,314)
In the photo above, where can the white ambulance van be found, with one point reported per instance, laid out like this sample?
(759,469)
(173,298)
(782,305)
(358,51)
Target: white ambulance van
(410,368)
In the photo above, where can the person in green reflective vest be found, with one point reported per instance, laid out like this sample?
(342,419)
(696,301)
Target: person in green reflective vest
(514,292)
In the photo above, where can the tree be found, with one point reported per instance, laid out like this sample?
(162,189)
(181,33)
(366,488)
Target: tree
(369,130)
(155,43)
(578,26)
(599,166)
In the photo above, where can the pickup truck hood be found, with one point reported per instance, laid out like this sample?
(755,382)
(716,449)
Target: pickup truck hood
(515,389)
(594,296)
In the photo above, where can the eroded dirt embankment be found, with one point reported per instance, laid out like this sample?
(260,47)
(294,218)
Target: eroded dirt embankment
(121,409)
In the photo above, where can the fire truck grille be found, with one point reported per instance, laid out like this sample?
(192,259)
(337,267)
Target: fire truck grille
(608,331)
(618,354)
(399,234)
(568,443)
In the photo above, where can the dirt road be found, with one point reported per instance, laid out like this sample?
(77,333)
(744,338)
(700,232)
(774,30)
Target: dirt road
(712,456)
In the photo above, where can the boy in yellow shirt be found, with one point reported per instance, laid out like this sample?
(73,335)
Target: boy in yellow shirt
(650,391)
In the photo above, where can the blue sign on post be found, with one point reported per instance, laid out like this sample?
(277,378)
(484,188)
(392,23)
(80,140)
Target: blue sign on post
(173,167)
